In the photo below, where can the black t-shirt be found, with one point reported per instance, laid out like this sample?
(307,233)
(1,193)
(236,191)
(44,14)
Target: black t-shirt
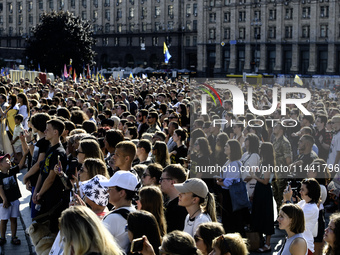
(55,193)
(182,152)
(9,184)
(174,215)
(40,147)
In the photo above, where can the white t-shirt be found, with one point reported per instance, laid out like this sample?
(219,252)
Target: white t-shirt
(311,213)
(334,148)
(190,226)
(115,223)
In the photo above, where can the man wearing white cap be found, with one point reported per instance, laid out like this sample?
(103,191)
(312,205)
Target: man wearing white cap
(122,189)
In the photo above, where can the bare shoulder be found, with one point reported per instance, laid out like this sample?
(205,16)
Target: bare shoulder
(298,246)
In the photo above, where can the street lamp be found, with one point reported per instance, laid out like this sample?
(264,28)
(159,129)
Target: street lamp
(257,34)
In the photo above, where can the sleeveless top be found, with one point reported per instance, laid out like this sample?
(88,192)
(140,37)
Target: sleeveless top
(286,245)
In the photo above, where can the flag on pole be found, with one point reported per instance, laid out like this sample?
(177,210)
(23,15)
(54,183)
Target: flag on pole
(131,76)
(166,53)
(80,76)
(88,72)
(65,72)
(74,76)
(70,67)
(39,67)
(144,76)
(298,80)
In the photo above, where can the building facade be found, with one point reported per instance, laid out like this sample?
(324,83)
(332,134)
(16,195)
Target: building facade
(214,37)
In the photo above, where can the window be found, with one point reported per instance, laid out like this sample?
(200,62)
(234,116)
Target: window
(288,32)
(116,40)
(141,40)
(10,8)
(131,12)
(131,27)
(212,33)
(305,32)
(20,19)
(95,15)
(187,41)
(143,27)
(155,41)
(257,15)
(168,40)
(194,25)
(107,28)
(272,14)
(157,26)
(241,33)
(129,41)
(170,25)
(241,16)
(227,33)
(107,14)
(188,9)
(306,12)
(119,13)
(9,41)
(212,17)
(10,31)
(105,41)
(227,17)
(19,7)
(194,9)
(61,4)
(50,4)
(157,11)
(288,13)
(188,25)
(83,15)
(10,19)
(1,7)
(226,2)
(119,27)
(170,10)
(272,32)
(107,3)
(95,3)
(83,3)
(194,40)
(324,11)
(324,31)
(73,3)
(21,31)
(257,33)
(30,18)
(211,3)
(144,12)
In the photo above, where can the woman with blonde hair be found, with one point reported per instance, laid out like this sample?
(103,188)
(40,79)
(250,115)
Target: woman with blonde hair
(232,244)
(83,233)
(151,200)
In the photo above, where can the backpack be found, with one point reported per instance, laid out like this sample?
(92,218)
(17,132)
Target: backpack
(123,212)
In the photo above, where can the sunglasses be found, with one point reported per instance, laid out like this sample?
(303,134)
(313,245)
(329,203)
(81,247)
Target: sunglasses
(144,175)
(79,152)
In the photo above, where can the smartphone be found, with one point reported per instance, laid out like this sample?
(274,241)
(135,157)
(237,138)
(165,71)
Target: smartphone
(137,245)
(59,169)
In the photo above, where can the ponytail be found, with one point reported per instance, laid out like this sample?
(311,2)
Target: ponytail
(210,207)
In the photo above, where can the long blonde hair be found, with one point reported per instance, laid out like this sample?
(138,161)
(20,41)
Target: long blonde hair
(81,230)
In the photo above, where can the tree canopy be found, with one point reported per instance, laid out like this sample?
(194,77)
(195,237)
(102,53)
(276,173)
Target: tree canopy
(57,39)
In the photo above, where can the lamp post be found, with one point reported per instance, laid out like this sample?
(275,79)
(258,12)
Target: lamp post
(256,24)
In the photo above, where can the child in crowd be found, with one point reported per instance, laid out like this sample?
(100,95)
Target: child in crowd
(16,142)
(9,199)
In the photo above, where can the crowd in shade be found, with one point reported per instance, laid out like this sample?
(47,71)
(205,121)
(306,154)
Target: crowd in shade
(116,166)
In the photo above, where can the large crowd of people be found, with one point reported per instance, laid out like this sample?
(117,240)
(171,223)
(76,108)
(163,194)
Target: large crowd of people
(119,166)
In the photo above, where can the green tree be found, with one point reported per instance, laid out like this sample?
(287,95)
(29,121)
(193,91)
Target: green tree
(57,39)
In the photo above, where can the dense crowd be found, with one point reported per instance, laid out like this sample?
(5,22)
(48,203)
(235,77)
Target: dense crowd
(117,167)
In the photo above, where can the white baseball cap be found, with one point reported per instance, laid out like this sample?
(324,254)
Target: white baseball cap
(122,179)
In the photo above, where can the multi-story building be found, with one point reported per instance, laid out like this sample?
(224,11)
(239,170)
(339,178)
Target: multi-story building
(215,37)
